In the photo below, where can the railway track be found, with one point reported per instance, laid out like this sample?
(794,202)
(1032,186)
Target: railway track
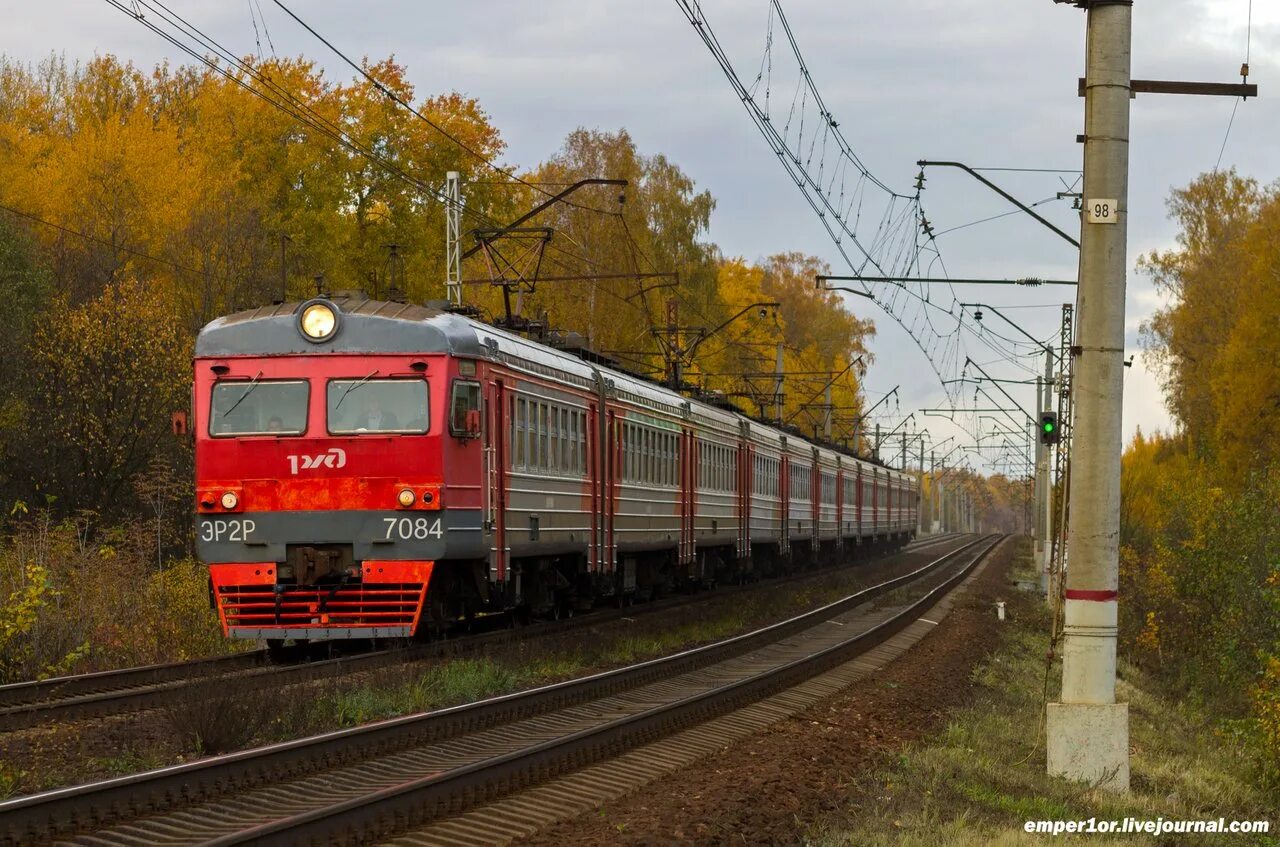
(27,704)
(359,784)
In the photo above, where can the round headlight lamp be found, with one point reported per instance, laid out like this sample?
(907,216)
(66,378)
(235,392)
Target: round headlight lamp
(318,321)
(405,497)
(230,500)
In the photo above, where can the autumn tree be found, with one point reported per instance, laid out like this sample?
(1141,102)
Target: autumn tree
(658,223)
(187,179)
(101,380)
(1216,343)
(821,341)
(24,288)
(1199,507)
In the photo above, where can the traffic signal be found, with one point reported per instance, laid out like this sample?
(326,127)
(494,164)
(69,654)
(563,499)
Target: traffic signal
(1049,433)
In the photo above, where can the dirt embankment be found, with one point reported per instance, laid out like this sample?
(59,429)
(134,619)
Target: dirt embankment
(767,788)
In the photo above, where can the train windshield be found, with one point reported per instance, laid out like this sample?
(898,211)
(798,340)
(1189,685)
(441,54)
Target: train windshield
(377,405)
(259,407)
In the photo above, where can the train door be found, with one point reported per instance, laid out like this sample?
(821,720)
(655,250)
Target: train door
(496,448)
(857,496)
(840,528)
(784,497)
(875,503)
(688,495)
(612,468)
(743,474)
(815,499)
(602,469)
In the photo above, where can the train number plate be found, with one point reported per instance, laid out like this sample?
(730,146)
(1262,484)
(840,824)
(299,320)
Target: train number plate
(234,529)
(412,529)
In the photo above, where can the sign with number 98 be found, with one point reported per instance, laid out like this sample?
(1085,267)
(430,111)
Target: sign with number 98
(1102,212)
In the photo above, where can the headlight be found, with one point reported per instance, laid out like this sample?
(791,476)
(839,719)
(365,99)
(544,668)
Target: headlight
(230,500)
(405,497)
(319,321)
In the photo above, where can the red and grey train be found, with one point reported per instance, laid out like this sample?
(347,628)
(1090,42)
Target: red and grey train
(369,469)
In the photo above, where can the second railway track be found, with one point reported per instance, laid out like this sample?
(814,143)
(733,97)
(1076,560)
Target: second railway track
(27,704)
(355,785)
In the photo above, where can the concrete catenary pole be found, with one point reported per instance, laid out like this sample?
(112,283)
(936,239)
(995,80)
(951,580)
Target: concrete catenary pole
(1088,731)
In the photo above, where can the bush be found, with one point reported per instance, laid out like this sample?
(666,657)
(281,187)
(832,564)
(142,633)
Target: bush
(73,599)
(1200,578)
(215,717)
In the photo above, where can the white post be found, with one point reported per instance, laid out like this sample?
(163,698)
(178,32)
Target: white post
(1088,732)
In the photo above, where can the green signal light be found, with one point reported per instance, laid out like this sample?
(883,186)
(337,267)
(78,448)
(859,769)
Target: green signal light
(1048,426)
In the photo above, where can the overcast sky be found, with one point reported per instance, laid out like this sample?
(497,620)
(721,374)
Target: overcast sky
(990,84)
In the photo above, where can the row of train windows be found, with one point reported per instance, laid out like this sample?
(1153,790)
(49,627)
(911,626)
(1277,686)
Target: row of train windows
(548,438)
(801,482)
(766,476)
(717,466)
(650,456)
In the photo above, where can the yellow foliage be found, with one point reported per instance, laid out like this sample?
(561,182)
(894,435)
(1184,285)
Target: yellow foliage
(1216,342)
(1266,706)
(1149,638)
(101,380)
(70,604)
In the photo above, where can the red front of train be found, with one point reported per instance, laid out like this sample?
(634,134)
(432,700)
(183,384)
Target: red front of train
(323,442)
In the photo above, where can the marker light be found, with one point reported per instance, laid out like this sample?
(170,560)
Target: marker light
(405,497)
(319,321)
(230,500)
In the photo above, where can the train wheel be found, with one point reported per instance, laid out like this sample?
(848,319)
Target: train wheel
(562,609)
(279,651)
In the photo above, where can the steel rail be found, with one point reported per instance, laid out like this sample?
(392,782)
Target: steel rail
(59,812)
(33,703)
(36,692)
(384,812)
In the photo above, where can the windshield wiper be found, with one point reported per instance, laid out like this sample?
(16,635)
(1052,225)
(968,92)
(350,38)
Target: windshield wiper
(253,385)
(353,387)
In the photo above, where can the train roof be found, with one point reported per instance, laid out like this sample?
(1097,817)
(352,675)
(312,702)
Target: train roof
(380,327)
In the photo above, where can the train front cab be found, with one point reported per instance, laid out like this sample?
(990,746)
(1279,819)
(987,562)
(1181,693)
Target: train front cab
(322,509)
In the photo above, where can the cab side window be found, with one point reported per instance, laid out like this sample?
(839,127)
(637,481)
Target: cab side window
(465,399)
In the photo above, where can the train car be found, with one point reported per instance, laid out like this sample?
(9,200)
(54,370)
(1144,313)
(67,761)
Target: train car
(369,469)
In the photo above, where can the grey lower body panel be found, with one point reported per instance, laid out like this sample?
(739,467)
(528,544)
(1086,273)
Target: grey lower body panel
(397,535)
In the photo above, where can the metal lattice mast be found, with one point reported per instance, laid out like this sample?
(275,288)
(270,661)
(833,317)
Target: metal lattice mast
(453,238)
(1062,464)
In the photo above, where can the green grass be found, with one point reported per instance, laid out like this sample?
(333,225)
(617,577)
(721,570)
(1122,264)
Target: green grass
(127,762)
(981,778)
(409,689)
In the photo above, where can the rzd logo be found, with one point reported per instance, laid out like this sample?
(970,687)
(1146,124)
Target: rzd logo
(334,457)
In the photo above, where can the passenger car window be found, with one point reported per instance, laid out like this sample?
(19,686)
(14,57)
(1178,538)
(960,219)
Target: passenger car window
(359,406)
(258,407)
